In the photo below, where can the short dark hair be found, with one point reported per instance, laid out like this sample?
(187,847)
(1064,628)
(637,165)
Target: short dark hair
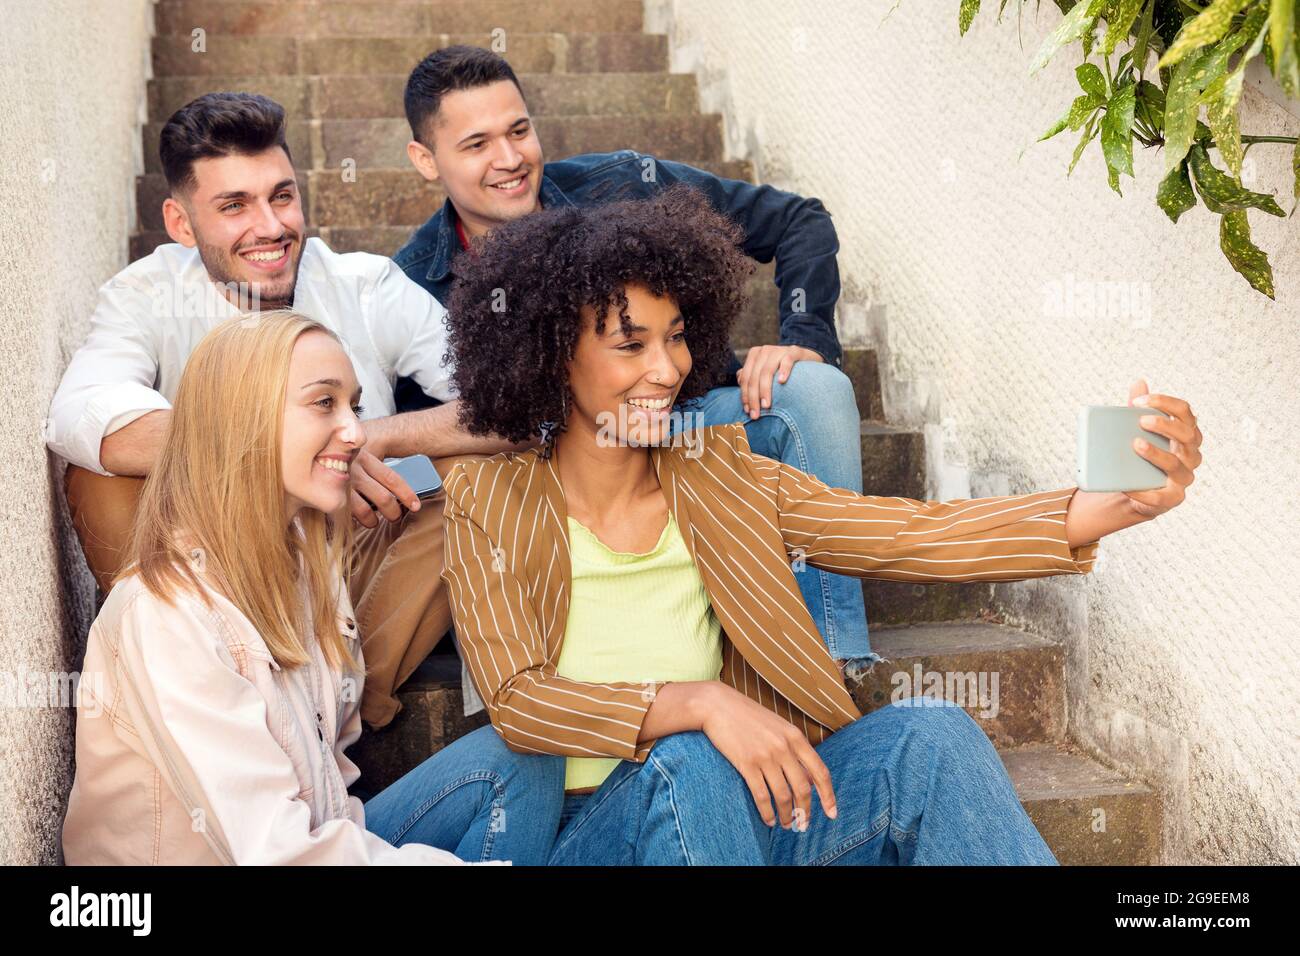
(514,314)
(218,124)
(447,70)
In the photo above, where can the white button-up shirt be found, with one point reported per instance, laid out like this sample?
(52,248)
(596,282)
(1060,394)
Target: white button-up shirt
(152,315)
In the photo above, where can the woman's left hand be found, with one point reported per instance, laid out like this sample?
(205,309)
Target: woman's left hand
(1181,460)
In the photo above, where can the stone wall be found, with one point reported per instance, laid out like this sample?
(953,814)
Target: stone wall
(72,85)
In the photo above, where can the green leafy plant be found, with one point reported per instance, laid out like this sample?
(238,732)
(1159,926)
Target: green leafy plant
(1176,59)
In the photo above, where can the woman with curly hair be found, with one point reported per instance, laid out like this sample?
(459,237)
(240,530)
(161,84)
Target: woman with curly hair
(625,595)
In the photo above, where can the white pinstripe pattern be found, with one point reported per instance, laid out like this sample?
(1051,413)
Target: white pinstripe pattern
(741,517)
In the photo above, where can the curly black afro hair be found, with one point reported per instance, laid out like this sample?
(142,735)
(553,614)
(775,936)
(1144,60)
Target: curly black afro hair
(515,309)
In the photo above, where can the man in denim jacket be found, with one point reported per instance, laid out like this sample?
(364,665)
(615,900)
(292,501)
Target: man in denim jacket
(473,135)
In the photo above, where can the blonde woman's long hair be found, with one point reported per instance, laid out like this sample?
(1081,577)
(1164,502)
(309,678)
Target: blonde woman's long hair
(218,480)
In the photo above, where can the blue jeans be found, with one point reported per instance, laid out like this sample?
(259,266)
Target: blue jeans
(476,798)
(916,782)
(812,424)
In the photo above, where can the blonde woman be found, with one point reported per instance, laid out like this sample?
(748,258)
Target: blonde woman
(223,675)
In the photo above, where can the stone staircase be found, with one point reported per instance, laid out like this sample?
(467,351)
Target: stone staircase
(596,82)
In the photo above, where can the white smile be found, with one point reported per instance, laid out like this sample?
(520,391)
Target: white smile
(274,256)
(512,184)
(654,404)
(334,464)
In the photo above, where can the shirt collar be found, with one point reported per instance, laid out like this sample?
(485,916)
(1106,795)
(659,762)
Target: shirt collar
(446,244)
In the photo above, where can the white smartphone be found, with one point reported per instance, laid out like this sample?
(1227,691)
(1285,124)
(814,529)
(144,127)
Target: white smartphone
(1107,459)
(418,472)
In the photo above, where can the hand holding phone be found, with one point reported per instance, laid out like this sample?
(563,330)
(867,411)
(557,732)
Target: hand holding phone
(378,489)
(1107,460)
(418,472)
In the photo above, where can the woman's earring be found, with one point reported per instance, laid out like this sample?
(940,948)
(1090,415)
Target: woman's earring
(548,429)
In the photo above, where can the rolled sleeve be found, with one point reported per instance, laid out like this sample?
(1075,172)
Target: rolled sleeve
(103,410)
(109,382)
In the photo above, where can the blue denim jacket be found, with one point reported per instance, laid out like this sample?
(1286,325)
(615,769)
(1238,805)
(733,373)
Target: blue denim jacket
(795,231)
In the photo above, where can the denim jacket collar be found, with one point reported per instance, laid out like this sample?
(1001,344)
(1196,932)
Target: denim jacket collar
(446,243)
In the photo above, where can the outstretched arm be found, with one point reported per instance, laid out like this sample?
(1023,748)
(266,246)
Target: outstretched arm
(1003,538)
(1006,538)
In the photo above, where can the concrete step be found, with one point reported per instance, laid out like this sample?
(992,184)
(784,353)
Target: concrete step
(759,323)
(422,18)
(432,716)
(893,461)
(902,602)
(347,55)
(379,95)
(687,137)
(863,369)
(326,144)
(1008,680)
(1087,813)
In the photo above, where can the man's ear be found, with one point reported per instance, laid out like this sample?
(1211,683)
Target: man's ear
(421,158)
(176,219)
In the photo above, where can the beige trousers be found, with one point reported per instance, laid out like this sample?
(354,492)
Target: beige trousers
(396,587)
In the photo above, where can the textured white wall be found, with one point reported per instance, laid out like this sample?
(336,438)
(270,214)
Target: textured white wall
(1182,645)
(72,79)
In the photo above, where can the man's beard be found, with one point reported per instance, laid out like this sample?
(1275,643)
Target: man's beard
(251,295)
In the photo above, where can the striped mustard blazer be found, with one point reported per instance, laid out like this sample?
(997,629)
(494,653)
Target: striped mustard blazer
(748,522)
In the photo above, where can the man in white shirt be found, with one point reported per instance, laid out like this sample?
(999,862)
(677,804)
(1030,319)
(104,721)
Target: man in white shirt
(236,217)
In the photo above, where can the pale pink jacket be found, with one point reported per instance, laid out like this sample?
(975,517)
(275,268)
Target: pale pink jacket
(195,747)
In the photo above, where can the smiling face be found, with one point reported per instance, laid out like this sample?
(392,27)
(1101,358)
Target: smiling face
(485,153)
(630,381)
(245,216)
(322,431)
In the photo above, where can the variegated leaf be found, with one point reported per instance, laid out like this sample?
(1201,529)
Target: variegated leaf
(1073,26)
(1205,28)
(1120,23)
(1117,129)
(1089,131)
(1091,80)
(1222,192)
(1220,100)
(1246,257)
(1183,98)
(1074,118)
(1175,195)
(1295,168)
(1282,41)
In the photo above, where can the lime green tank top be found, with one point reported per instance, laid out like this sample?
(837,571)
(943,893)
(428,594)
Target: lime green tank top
(634,617)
